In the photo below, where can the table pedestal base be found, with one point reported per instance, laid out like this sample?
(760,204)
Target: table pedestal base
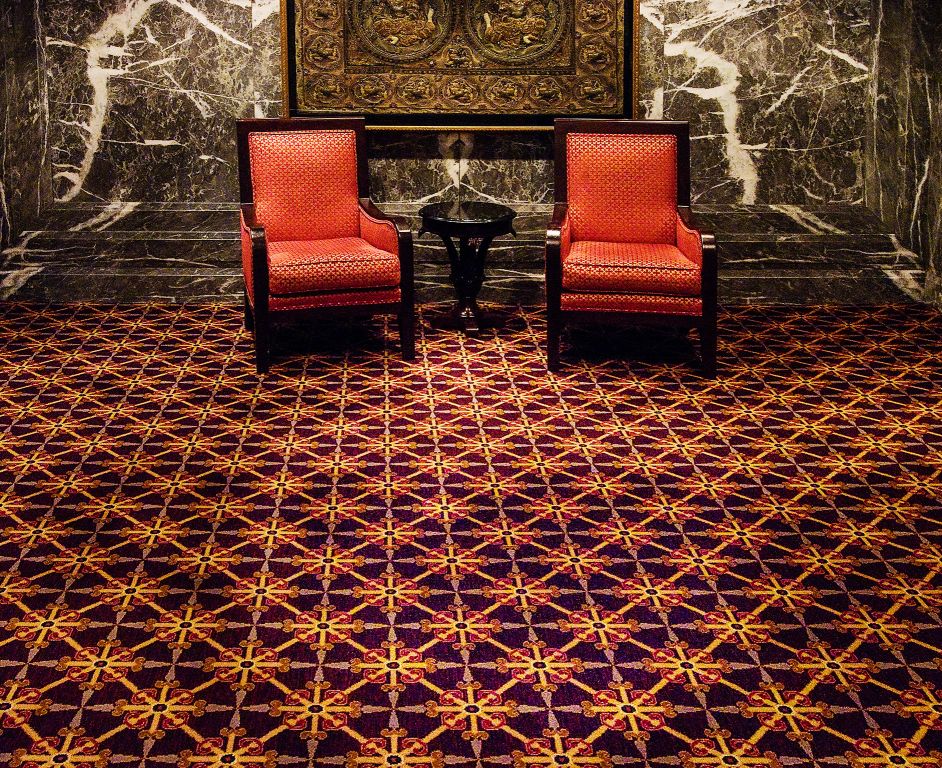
(471,320)
(467,275)
(474,225)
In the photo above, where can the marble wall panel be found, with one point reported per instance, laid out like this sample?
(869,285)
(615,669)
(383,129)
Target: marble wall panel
(650,79)
(265,40)
(904,168)
(513,168)
(409,169)
(22,117)
(775,91)
(929,17)
(899,121)
(143,94)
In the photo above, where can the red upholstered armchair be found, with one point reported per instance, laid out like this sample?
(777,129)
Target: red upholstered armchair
(623,241)
(311,237)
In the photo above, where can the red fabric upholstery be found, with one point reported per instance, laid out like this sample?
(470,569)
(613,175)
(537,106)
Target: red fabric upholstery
(622,187)
(629,268)
(565,237)
(304,184)
(381,234)
(340,264)
(627,302)
(325,300)
(690,242)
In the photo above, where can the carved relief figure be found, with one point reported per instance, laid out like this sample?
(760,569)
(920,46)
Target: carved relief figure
(402,23)
(515,24)
(521,57)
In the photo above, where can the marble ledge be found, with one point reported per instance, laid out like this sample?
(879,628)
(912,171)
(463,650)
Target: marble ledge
(503,285)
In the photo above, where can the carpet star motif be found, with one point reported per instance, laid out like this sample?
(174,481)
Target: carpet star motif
(603,628)
(461,627)
(39,628)
(153,711)
(393,665)
(316,709)
(790,711)
(694,668)
(70,748)
(634,713)
(472,711)
(19,703)
(246,665)
(106,662)
(543,668)
(655,593)
(837,666)
(323,628)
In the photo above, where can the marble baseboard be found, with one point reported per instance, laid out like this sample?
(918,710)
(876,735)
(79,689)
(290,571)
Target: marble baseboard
(164,253)
(503,286)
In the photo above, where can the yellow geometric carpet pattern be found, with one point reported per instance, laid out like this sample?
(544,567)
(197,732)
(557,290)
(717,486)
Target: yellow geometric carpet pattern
(464,561)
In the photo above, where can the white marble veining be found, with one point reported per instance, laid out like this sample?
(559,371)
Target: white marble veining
(144,93)
(773,90)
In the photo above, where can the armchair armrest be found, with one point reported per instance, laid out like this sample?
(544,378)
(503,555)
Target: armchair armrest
(378,229)
(388,234)
(699,244)
(254,256)
(558,242)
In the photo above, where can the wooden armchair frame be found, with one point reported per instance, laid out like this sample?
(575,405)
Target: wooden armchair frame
(258,317)
(556,316)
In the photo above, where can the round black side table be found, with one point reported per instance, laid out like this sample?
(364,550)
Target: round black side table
(474,225)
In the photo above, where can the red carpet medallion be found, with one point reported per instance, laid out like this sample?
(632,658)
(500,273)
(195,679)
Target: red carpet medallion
(463,561)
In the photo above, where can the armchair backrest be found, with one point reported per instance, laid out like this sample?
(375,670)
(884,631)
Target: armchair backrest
(304,175)
(623,179)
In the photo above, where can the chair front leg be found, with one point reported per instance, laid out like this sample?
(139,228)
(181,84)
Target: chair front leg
(407,318)
(708,327)
(554,288)
(553,334)
(248,319)
(708,344)
(260,287)
(407,331)
(262,343)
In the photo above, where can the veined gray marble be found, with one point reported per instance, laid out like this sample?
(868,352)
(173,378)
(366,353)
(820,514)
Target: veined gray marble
(904,169)
(414,167)
(143,94)
(22,117)
(934,195)
(775,91)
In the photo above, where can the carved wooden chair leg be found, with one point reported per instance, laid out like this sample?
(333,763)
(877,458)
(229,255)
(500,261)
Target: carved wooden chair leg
(708,344)
(552,343)
(262,341)
(407,332)
(248,319)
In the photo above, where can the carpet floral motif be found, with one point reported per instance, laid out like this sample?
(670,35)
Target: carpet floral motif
(464,561)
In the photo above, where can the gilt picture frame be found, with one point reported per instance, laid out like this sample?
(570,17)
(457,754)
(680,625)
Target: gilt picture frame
(460,64)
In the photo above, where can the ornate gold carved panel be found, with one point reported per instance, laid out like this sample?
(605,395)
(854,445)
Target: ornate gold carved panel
(458,57)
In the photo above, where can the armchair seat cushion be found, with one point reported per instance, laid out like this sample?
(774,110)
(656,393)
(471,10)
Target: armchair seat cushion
(633,268)
(336,265)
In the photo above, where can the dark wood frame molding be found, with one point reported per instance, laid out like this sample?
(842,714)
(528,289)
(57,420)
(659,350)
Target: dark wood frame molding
(258,317)
(556,317)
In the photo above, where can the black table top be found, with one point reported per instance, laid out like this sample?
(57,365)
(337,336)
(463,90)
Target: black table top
(466,212)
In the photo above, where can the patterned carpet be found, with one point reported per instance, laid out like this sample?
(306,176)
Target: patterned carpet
(463,561)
